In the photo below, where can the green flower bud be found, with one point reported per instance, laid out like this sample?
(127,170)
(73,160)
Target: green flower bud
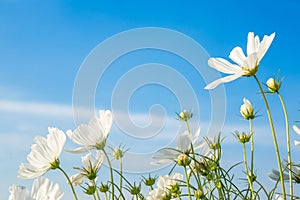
(185,115)
(118,153)
(90,190)
(149,181)
(243,138)
(183,160)
(167,196)
(135,190)
(175,190)
(273,85)
(198,194)
(103,188)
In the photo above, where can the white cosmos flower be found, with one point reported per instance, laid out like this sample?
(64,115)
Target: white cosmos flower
(44,154)
(163,184)
(184,141)
(92,135)
(245,65)
(247,110)
(89,169)
(42,189)
(297,130)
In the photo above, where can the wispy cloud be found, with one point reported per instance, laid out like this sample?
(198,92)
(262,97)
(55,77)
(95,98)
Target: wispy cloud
(36,108)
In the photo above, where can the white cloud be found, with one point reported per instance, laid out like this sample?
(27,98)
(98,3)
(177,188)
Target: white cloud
(35,108)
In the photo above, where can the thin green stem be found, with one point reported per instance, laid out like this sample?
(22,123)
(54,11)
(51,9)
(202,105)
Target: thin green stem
(69,181)
(288,141)
(247,171)
(106,197)
(96,190)
(274,138)
(252,147)
(187,183)
(94,197)
(121,175)
(111,175)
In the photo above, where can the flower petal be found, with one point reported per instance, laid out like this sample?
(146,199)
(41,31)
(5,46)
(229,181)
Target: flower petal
(79,150)
(264,46)
(252,43)
(237,55)
(296,129)
(225,79)
(223,65)
(18,193)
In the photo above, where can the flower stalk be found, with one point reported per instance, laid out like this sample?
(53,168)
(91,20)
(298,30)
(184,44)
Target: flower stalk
(111,175)
(69,181)
(247,171)
(288,140)
(252,146)
(274,137)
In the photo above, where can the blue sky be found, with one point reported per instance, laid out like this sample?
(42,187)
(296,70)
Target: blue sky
(44,43)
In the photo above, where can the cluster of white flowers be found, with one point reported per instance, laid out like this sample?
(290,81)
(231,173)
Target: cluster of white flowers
(164,184)
(45,153)
(42,189)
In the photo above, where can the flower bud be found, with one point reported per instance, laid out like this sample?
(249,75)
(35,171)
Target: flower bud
(183,160)
(242,138)
(103,188)
(149,181)
(118,153)
(198,194)
(135,190)
(247,110)
(90,190)
(175,191)
(273,85)
(185,115)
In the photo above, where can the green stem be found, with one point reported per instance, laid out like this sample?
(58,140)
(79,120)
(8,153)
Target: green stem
(247,171)
(94,197)
(187,183)
(106,197)
(274,138)
(96,190)
(252,147)
(288,140)
(121,175)
(69,181)
(111,175)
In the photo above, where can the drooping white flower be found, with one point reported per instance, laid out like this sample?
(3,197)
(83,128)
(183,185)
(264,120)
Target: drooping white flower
(163,184)
(44,154)
(92,135)
(90,168)
(245,65)
(247,110)
(297,130)
(184,141)
(42,189)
